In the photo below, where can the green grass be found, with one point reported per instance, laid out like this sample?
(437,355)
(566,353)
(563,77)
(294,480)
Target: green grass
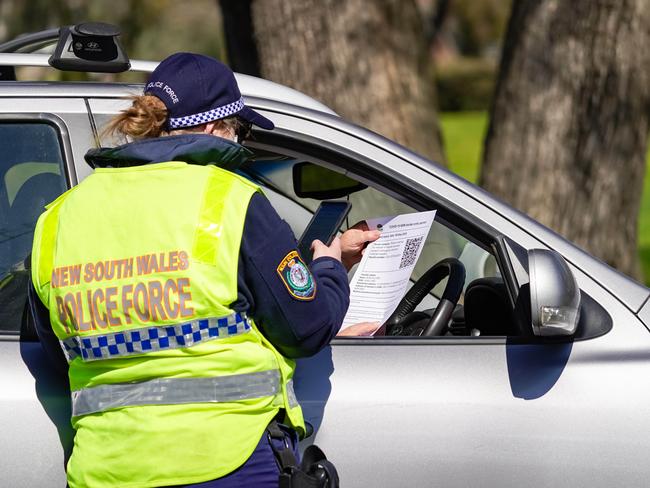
(463,134)
(644,224)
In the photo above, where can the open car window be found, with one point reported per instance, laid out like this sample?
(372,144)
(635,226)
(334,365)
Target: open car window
(274,172)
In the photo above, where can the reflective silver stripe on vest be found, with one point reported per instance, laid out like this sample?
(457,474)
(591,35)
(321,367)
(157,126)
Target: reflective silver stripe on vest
(291,395)
(174,391)
(157,338)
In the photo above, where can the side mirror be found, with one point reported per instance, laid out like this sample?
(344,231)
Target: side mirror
(313,181)
(554,294)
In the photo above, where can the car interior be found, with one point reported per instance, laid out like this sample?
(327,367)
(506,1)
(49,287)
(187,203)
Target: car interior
(450,259)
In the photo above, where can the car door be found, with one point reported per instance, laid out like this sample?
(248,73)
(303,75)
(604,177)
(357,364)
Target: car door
(473,411)
(40,138)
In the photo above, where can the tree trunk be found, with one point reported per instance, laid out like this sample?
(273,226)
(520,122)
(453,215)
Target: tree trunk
(366,59)
(569,122)
(238,28)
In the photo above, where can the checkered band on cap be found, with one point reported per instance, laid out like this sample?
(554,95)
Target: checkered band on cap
(151,339)
(209,116)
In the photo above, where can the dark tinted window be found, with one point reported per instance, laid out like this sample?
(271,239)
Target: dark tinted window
(31,176)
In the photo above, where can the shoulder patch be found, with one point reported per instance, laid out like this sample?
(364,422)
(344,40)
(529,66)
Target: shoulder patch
(296,276)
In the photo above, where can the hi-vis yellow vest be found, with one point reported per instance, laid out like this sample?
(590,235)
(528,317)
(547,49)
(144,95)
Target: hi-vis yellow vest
(137,267)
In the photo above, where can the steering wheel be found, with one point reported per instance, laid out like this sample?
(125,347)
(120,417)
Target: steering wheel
(403,316)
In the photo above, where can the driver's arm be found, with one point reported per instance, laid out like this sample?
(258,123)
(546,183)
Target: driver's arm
(361,329)
(354,242)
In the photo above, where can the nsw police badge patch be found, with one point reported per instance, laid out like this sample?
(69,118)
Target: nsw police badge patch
(296,276)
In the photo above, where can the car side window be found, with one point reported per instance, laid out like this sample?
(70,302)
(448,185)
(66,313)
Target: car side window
(31,176)
(483,307)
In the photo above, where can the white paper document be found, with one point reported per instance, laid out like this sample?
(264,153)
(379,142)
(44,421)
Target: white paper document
(383,274)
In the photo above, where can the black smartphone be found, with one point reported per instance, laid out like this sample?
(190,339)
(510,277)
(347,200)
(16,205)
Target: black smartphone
(324,225)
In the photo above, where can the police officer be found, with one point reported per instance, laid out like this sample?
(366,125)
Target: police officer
(176,294)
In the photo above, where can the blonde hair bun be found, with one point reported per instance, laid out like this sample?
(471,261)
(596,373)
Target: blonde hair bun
(145,118)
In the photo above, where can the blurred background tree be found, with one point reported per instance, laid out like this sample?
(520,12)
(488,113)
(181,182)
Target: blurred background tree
(569,125)
(366,59)
(466,49)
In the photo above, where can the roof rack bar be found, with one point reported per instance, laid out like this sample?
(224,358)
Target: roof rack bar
(41,60)
(36,39)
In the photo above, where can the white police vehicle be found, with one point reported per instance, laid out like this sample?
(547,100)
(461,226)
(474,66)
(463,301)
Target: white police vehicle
(510,391)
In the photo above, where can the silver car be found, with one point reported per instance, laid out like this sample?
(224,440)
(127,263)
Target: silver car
(537,371)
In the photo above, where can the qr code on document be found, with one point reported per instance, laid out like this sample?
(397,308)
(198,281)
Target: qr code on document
(410,252)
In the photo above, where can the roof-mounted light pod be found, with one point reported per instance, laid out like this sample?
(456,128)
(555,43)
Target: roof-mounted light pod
(92,46)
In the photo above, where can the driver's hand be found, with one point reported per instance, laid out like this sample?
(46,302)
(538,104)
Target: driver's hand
(319,249)
(360,329)
(354,241)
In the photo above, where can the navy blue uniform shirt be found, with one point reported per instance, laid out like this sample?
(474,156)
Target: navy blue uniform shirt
(296,327)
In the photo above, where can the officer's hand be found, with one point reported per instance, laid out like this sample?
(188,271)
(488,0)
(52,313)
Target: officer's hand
(360,329)
(354,241)
(333,250)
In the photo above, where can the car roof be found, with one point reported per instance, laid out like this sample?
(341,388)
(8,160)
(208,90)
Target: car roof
(250,86)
